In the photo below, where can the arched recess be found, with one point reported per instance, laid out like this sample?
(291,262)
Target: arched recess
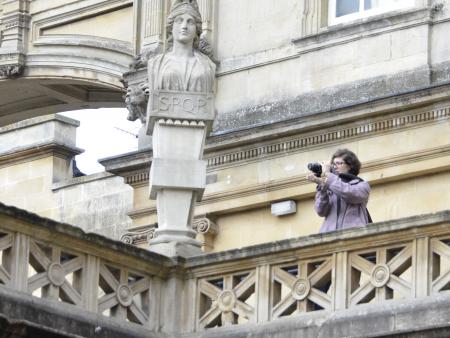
(26,98)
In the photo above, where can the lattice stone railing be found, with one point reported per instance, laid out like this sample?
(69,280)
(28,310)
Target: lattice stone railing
(391,261)
(331,272)
(61,263)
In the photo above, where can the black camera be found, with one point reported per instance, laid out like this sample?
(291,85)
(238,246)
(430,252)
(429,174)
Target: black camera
(316,168)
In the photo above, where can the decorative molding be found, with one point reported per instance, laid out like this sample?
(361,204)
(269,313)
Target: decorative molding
(300,180)
(37,151)
(296,181)
(11,71)
(55,17)
(351,31)
(205,226)
(143,235)
(84,41)
(352,131)
(14,27)
(137,237)
(137,178)
(292,145)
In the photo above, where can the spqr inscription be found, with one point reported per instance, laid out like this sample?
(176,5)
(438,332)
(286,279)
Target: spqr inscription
(171,103)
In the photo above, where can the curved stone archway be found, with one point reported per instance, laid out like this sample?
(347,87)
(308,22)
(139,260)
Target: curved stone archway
(26,98)
(65,55)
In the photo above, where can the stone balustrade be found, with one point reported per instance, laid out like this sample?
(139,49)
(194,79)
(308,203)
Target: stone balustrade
(387,263)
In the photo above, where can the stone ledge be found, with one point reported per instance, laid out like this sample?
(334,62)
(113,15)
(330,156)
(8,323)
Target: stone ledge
(344,96)
(37,151)
(340,236)
(422,317)
(365,27)
(44,316)
(81,180)
(94,239)
(39,120)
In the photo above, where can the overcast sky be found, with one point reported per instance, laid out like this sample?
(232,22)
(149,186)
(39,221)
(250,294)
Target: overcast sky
(102,133)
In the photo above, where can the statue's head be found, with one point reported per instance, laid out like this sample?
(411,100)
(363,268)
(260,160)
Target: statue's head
(184,8)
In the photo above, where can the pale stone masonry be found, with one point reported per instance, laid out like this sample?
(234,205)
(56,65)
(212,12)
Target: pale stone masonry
(389,278)
(291,87)
(36,174)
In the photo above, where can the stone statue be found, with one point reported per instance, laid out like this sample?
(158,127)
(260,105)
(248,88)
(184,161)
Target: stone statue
(183,67)
(179,114)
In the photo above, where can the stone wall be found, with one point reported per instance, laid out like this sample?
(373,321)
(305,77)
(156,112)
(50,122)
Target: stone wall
(291,89)
(36,174)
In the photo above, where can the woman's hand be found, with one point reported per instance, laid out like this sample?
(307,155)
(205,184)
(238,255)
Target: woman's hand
(326,167)
(313,178)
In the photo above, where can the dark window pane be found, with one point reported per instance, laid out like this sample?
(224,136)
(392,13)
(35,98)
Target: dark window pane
(344,7)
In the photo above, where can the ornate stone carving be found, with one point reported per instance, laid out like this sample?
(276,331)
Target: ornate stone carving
(182,69)
(380,275)
(56,274)
(11,71)
(301,289)
(15,26)
(205,226)
(138,237)
(136,102)
(226,301)
(124,295)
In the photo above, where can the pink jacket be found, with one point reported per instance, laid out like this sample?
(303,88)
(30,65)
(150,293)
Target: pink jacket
(343,204)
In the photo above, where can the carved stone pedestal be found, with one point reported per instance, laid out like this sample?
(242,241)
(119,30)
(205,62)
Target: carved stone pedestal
(177,181)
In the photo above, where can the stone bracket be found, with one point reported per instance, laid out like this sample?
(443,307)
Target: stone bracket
(178,174)
(11,64)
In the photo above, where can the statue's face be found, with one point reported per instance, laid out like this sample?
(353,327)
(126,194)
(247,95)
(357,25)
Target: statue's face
(184,29)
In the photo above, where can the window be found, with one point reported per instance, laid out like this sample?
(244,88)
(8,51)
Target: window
(347,10)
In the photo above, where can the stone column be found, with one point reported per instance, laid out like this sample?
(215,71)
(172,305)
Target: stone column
(313,16)
(207,10)
(152,24)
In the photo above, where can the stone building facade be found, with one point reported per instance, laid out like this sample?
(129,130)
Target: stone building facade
(292,86)
(295,81)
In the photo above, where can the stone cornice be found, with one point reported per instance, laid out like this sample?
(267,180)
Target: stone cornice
(362,28)
(38,151)
(298,181)
(39,120)
(331,135)
(329,242)
(134,166)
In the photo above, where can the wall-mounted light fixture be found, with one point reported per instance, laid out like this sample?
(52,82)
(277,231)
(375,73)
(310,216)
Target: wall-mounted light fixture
(284,208)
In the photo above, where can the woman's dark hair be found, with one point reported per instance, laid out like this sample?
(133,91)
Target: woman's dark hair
(350,159)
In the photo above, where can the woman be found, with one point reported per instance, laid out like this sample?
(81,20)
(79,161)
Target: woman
(341,195)
(183,68)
